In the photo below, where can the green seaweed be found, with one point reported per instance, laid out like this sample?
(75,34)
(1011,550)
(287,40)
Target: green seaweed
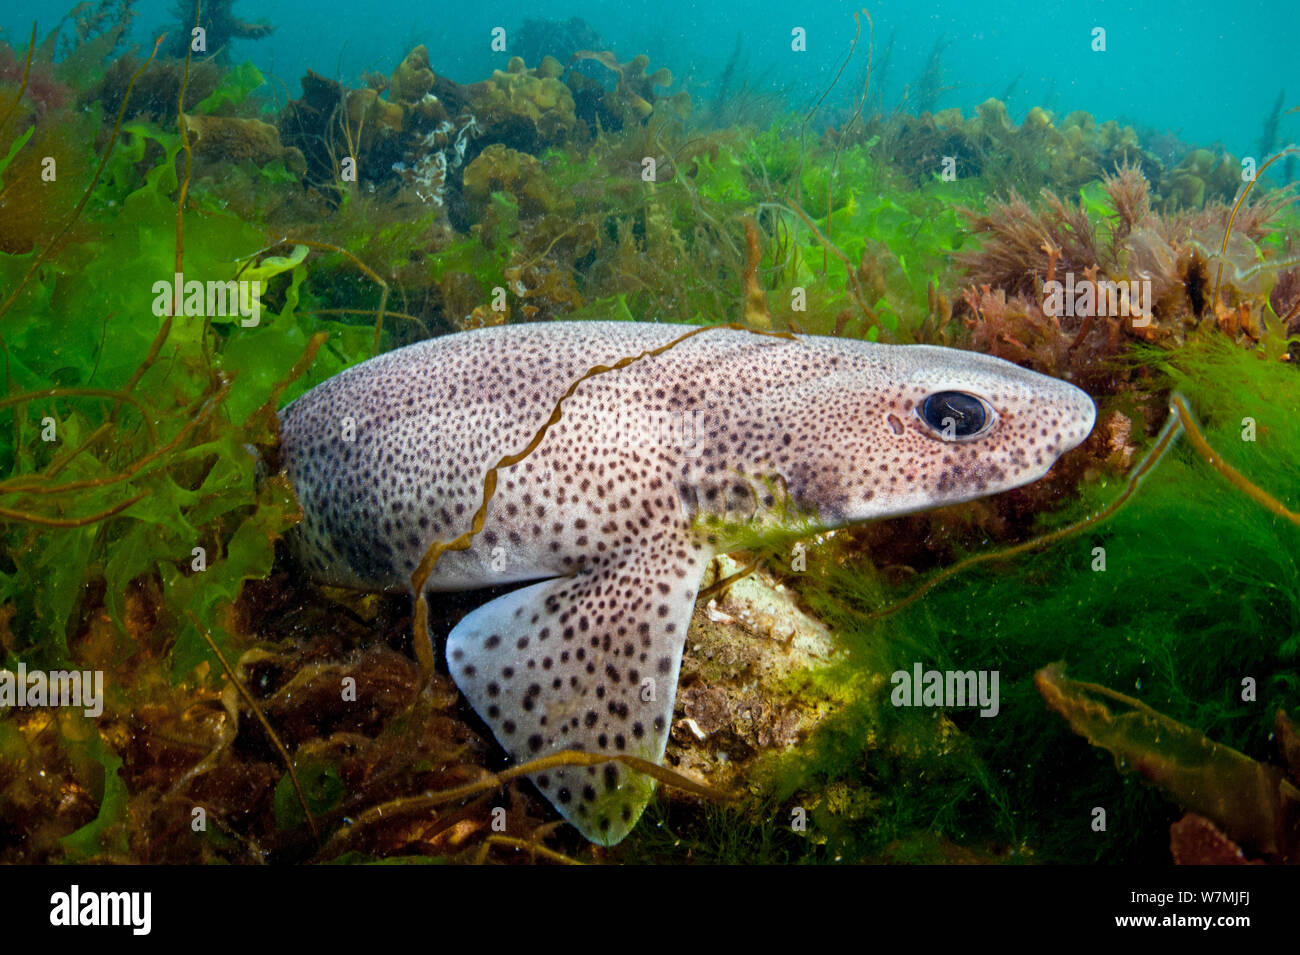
(105,834)
(236,86)
(19,142)
(323,786)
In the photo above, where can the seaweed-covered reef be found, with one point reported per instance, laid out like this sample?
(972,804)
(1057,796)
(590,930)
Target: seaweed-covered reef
(140,509)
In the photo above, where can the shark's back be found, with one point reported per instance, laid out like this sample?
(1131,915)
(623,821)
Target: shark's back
(392,453)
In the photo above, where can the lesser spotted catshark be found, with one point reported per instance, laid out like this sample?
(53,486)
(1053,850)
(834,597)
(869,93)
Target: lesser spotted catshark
(607,515)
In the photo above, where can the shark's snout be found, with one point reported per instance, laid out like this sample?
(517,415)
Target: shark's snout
(1083,411)
(1067,413)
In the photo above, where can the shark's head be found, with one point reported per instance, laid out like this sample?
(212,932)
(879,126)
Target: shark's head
(905,428)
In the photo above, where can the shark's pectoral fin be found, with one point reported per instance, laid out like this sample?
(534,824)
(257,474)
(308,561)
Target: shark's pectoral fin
(587,663)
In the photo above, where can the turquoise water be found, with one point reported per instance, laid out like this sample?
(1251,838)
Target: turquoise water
(1207,71)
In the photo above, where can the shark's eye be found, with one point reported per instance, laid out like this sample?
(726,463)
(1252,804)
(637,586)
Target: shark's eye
(956,415)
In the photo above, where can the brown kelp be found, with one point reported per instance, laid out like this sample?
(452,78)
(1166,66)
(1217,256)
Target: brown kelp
(1254,804)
